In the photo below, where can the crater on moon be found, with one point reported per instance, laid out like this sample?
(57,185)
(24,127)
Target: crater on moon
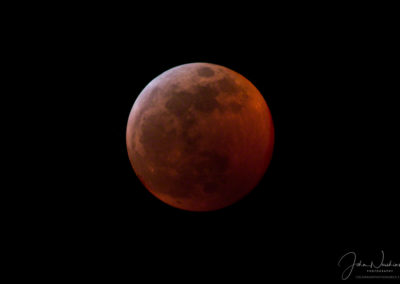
(200,137)
(205,72)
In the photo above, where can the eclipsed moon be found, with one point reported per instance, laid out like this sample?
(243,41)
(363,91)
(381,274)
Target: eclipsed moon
(200,137)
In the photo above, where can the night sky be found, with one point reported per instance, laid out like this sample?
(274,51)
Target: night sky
(330,83)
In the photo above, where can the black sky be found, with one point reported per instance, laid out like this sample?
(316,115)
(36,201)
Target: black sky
(330,82)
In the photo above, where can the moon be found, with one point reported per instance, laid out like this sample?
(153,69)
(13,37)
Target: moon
(200,137)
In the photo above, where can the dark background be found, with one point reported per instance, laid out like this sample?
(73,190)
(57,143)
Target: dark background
(330,81)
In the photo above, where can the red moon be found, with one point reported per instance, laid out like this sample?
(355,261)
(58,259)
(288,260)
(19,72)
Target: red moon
(200,137)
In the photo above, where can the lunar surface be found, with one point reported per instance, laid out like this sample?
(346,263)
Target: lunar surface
(200,137)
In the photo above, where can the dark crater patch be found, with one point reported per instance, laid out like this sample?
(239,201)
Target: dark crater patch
(179,103)
(204,98)
(189,120)
(205,72)
(187,123)
(228,85)
(235,107)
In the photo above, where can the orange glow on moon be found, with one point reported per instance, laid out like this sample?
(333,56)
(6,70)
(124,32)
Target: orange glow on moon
(200,137)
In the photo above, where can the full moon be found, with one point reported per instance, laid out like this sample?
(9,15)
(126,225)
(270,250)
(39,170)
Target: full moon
(200,137)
